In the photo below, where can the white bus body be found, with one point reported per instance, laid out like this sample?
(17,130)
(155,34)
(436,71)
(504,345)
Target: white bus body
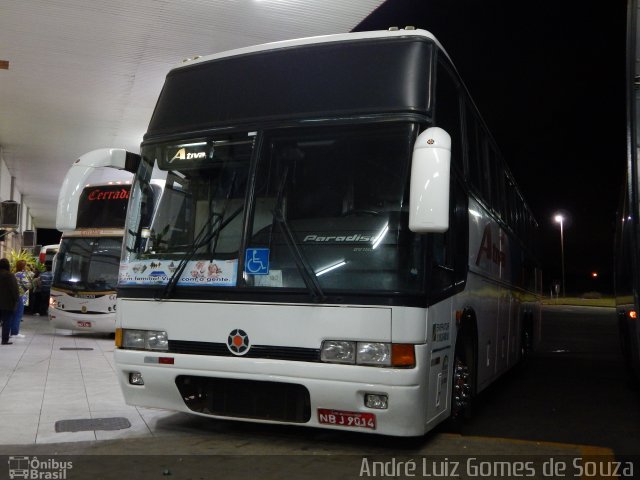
(91,208)
(341,268)
(627,238)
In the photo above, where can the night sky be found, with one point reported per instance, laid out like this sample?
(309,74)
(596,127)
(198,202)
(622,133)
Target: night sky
(549,79)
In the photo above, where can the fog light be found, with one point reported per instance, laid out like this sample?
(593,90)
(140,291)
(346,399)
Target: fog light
(135,378)
(376,400)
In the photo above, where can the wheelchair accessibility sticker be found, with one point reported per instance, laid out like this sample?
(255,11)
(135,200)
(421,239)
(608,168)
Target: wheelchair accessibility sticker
(256,261)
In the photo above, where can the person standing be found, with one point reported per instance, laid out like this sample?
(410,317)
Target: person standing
(9,297)
(34,274)
(43,290)
(23,278)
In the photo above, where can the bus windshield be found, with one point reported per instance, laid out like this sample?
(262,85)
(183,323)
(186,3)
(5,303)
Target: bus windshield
(283,209)
(88,264)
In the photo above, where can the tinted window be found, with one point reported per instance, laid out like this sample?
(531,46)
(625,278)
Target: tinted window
(447,111)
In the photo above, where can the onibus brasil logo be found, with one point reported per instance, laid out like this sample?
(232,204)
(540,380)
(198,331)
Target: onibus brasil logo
(36,469)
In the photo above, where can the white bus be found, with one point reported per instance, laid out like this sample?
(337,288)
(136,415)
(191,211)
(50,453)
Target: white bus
(92,206)
(338,243)
(627,240)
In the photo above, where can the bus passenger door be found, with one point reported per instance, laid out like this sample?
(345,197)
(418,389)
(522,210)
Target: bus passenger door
(440,331)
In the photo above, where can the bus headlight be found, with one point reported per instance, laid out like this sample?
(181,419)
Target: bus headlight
(337,351)
(374,353)
(158,340)
(145,339)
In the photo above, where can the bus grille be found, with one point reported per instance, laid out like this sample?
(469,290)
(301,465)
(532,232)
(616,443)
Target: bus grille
(256,351)
(282,402)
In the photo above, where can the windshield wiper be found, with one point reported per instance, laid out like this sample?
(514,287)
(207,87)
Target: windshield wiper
(101,286)
(74,287)
(302,264)
(202,239)
(198,243)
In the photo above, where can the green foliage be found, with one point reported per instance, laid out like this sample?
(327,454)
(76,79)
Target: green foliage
(15,255)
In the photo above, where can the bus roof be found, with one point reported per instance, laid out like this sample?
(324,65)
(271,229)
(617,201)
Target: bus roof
(339,37)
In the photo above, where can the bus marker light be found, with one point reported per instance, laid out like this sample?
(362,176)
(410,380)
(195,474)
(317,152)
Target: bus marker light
(135,378)
(633,314)
(118,337)
(403,355)
(160,360)
(376,400)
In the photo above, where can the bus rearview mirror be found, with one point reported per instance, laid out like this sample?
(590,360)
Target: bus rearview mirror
(430,173)
(78,175)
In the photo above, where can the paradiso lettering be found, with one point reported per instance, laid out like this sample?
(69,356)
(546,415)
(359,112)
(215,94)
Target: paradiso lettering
(340,238)
(489,249)
(97,195)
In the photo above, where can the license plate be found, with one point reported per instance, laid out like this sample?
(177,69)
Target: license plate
(346,419)
(84,324)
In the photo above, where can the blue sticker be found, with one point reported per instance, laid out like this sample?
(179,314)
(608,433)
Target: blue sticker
(257,261)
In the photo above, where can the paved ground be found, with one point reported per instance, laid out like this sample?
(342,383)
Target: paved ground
(52,376)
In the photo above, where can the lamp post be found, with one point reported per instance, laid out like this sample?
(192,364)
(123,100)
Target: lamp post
(560,219)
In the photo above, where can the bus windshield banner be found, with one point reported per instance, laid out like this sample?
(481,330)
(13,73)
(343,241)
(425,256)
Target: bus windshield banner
(206,273)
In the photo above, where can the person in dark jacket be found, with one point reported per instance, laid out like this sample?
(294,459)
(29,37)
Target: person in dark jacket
(8,298)
(43,290)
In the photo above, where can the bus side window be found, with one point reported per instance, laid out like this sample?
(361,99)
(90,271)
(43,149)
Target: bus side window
(447,111)
(449,250)
(474,149)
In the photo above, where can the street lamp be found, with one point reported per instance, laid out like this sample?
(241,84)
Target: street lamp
(560,219)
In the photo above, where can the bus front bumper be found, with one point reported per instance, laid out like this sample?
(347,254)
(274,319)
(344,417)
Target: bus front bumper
(335,399)
(95,323)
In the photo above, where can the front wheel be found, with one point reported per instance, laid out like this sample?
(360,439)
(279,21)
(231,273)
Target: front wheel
(463,389)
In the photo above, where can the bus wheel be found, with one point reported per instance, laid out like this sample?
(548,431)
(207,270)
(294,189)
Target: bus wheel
(462,389)
(526,342)
(525,346)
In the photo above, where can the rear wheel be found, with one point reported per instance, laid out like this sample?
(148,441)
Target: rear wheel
(525,347)
(526,342)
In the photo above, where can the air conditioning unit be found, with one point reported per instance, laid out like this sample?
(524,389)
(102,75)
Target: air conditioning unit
(28,239)
(9,214)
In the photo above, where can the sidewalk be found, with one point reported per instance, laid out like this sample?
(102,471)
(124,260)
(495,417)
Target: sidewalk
(54,375)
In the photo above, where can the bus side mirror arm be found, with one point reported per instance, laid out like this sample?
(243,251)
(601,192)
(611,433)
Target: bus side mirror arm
(430,174)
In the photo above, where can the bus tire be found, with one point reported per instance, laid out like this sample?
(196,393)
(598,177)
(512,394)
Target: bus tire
(526,341)
(464,378)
